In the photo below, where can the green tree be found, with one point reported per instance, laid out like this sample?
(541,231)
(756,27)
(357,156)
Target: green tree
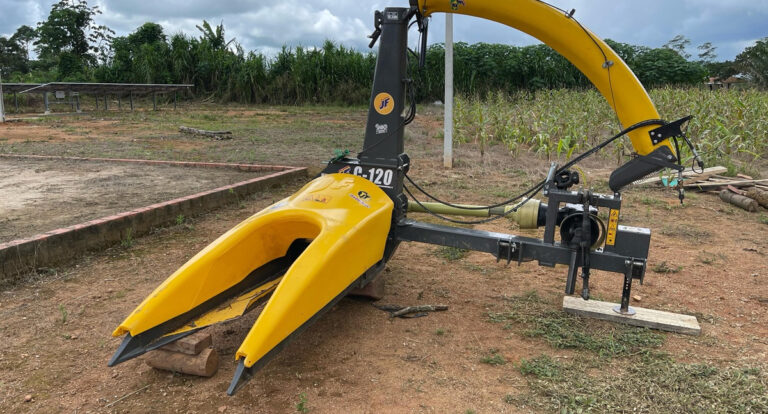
(12,57)
(707,52)
(753,61)
(679,43)
(215,38)
(71,39)
(24,36)
(664,66)
(148,33)
(628,53)
(722,70)
(140,57)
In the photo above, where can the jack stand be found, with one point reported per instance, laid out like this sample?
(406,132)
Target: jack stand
(634,269)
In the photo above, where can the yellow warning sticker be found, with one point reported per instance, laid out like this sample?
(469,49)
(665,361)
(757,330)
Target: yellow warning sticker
(613,222)
(383,103)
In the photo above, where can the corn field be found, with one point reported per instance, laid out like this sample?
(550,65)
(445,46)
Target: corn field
(729,126)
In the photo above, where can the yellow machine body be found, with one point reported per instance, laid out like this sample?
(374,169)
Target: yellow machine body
(592,56)
(347,219)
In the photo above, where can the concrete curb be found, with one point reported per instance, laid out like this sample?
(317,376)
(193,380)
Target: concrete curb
(56,246)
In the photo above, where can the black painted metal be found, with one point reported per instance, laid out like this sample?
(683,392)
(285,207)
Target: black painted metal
(669,130)
(384,131)
(626,291)
(523,248)
(570,281)
(585,244)
(642,166)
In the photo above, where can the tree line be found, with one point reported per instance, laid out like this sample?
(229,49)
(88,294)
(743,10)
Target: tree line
(70,46)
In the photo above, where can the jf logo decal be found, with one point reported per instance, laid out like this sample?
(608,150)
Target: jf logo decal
(383,103)
(456,3)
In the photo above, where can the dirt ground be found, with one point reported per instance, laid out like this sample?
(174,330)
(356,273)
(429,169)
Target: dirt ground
(56,330)
(41,195)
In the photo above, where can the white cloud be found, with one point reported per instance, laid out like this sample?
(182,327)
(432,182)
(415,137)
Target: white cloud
(266,26)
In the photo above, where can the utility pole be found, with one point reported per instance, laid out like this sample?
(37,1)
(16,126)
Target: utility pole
(448,99)
(2,99)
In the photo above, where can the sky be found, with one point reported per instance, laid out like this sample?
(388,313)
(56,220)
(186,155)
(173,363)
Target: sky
(265,26)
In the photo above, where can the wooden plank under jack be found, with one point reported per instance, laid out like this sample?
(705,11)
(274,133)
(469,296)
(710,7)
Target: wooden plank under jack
(649,318)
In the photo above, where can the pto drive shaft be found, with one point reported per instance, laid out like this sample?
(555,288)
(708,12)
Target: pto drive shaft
(527,216)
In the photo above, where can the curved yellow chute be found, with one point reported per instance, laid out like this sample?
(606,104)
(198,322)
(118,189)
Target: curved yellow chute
(585,50)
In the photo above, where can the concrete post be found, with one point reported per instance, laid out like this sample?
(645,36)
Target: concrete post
(448,99)
(2,100)
(45,102)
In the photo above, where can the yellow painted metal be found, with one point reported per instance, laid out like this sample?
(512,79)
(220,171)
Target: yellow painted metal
(348,219)
(357,223)
(584,49)
(232,309)
(613,224)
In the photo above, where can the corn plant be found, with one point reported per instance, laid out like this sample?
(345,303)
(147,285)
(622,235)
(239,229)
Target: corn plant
(729,126)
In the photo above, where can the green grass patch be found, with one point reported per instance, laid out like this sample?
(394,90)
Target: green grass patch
(665,268)
(301,406)
(686,232)
(493,358)
(538,318)
(542,367)
(451,253)
(653,384)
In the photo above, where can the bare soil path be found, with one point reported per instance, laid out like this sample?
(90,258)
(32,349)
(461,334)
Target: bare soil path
(41,195)
(707,258)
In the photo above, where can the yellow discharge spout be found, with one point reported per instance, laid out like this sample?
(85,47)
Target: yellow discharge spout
(593,57)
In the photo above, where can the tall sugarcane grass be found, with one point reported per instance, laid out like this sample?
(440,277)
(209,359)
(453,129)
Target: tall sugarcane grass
(729,126)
